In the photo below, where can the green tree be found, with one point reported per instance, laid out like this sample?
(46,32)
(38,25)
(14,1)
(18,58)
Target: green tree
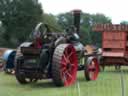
(51,20)
(98,19)
(19,17)
(124,22)
(64,20)
(2,31)
(86,23)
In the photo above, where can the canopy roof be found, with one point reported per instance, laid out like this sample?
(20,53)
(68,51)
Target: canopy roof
(110,27)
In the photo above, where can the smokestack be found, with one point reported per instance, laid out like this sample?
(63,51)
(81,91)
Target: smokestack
(76,14)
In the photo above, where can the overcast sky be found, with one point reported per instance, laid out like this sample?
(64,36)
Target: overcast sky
(115,9)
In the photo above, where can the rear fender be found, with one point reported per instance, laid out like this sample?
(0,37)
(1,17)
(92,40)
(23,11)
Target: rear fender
(60,40)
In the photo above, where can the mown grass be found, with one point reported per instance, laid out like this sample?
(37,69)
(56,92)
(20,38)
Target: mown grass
(108,84)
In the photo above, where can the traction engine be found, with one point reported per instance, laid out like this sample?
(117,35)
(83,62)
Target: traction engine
(54,55)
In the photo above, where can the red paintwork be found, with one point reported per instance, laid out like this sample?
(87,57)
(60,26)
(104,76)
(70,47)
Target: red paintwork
(113,54)
(93,69)
(69,64)
(110,28)
(38,43)
(114,43)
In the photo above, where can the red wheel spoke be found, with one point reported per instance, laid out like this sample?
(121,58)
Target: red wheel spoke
(93,63)
(63,69)
(70,55)
(69,62)
(68,74)
(66,52)
(91,68)
(66,59)
(65,79)
(63,63)
(72,65)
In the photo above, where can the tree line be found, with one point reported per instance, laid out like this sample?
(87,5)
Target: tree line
(18,18)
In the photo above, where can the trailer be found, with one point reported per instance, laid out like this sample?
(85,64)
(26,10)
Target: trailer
(114,44)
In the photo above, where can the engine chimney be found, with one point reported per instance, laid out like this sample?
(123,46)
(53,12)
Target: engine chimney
(76,14)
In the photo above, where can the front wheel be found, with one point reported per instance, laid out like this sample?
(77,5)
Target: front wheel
(20,76)
(91,69)
(64,67)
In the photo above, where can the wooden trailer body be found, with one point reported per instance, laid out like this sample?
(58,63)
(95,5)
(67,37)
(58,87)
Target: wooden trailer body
(114,44)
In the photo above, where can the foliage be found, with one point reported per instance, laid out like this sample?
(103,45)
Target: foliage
(51,20)
(87,21)
(124,22)
(2,32)
(18,18)
(64,20)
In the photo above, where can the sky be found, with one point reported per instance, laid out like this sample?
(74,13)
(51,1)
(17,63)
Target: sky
(115,9)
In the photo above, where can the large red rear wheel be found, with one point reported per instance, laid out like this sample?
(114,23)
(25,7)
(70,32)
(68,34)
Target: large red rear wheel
(64,67)
(91,69)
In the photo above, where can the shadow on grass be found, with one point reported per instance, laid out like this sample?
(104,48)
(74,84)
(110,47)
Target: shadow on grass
(35,85)
(48,84)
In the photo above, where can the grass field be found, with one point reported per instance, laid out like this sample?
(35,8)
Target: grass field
(108,84)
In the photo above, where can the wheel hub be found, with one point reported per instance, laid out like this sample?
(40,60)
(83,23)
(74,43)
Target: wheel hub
(68,66)
(93,69)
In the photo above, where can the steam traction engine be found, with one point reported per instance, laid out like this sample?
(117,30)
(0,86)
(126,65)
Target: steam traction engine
(114,44)
(54,55)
